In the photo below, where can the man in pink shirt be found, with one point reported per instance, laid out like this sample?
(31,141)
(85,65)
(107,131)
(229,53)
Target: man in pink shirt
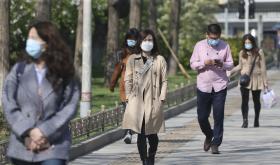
(211,58)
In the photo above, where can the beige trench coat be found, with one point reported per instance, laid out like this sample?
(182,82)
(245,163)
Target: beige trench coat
(145,95)
(258,77)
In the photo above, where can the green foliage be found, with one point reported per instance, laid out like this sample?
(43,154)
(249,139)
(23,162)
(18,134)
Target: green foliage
(195,16)
(21,14)
(163,9)
(4,131)
(235,47)
(102,95)
(99,9)
(64,13)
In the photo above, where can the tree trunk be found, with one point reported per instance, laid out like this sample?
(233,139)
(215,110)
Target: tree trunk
(112,40)
(43,10)
(4,42)
(79,39)
(135,14)
(152,15)
(174,31)
(99,46)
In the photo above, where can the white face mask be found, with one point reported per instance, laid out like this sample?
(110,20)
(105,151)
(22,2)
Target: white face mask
(147,46)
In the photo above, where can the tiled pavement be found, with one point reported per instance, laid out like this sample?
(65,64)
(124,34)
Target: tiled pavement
(182,143)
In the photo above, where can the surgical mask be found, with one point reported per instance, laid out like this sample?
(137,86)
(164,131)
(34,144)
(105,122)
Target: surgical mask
(147,46)
(248,46)
(131,43)
(213,42)
(33,48)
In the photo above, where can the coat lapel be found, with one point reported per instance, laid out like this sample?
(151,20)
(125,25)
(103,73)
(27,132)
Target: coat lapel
(29,82)
(46,89)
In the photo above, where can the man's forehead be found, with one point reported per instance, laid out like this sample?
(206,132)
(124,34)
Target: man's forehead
(211,35)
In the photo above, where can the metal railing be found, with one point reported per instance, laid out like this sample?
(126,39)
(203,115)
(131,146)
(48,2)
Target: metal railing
(85,128)
(88,127)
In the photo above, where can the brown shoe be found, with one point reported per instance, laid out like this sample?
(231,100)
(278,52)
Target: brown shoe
(207,144)
(215,149)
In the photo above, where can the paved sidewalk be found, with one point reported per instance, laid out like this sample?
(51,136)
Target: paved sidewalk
(182,143)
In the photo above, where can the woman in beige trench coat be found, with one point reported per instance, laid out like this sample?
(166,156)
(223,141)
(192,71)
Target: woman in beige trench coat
(146,86)
(258,79)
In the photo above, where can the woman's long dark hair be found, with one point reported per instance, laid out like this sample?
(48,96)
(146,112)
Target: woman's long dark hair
(57,56)
(254,50)
(144,34)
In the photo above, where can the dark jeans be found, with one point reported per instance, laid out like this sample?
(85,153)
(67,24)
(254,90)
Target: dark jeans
(46,162)
(245,99)
(204,103)
(142,143)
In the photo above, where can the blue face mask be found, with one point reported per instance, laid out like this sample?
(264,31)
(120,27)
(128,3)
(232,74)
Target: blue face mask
(33,48)
(213,42)
(248,46)
(131,43)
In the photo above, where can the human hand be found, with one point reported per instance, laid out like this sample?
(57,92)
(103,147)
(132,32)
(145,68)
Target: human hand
(228,73)
(29,144)
(111,89)
(218,63)
(209,62)
(266,86)
(35,147)
(44,145)
(37,136)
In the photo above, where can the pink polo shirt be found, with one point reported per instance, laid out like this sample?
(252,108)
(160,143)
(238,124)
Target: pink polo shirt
(211,77)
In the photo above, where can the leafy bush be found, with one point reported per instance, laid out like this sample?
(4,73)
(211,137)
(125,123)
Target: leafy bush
(235,47)
(4,131)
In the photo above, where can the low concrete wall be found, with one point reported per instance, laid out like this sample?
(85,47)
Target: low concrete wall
(96,143)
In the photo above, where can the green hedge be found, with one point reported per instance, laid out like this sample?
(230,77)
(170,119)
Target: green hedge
(235,47)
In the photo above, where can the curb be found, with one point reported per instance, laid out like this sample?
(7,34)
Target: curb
(118,133)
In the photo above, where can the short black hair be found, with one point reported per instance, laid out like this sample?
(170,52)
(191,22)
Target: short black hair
(214,29)
(132,33)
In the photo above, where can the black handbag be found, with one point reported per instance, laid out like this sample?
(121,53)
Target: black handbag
(245,79)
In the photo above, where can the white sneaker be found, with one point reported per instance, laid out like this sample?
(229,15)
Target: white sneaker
(127,138)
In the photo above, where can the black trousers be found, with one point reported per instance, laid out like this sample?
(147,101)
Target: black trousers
(245,100)
(205,101)
(142,143)
(46,162)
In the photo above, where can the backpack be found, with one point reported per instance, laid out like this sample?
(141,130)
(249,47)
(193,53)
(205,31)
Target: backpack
(20,69)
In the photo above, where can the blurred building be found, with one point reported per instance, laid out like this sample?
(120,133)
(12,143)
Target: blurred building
(267,16)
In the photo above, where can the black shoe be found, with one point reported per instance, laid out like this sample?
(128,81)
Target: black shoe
(215,149)
(151,160)
(127,139)
(256,123)
(245,123)
(145,162)
(207,144)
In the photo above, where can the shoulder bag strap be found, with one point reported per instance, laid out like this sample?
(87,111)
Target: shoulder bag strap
(254,63)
